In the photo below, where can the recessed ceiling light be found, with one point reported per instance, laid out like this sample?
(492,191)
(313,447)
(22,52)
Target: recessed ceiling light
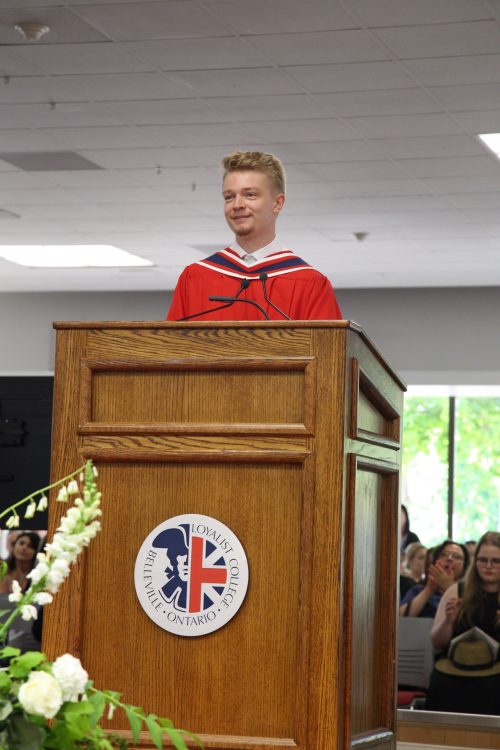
(492,140)
(70,256)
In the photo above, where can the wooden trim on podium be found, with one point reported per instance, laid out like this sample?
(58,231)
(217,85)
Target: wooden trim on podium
(389,432)
(89,367)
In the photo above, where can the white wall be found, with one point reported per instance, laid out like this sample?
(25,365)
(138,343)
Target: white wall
(431,336)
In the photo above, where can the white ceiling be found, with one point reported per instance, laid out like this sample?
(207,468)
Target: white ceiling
(373,105)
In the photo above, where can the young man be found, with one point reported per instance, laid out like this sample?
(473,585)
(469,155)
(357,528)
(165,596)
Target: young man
(264,279)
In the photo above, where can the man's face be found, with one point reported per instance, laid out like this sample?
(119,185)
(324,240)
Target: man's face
(251,205)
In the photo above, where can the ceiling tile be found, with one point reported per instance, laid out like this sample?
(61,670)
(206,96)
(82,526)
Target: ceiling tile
(331,151)
(194,135)
(11,65)
(38,89)
(350,77)
(397,13)
(320,47)
(91,138)
(475,200)
(60,115)
(358,170)
(139,158)
(239,82)
(260,16)
(104,57)
(128,86)
(170,111)
(404,125)
(152,20)
(439,71)
(442,40)
(22,139)
(451,166)
(280,107)
(366,103)
(303,130)
(452,145)
(467,98)
(198,54)
(479,122)
(465,184)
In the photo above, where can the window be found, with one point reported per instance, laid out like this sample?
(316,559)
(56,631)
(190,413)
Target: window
(451,466)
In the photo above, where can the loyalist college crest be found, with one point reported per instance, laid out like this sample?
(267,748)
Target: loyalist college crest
(191,575)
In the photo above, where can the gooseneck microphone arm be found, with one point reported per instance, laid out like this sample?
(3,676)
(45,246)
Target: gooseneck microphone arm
(229,301)
(263,277)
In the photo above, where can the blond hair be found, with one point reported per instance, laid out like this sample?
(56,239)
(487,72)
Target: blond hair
(257,161)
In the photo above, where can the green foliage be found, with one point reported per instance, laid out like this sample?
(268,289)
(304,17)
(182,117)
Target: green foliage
(425,428)
(477,459)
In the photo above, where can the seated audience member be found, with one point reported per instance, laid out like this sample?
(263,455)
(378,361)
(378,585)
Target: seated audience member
(412,567)
(415,555)
(471,546)
(469,679)
(406,536)
(447,564)
(9,542)
(21,561)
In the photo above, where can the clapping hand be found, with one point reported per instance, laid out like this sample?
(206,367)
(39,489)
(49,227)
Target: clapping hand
(439,577)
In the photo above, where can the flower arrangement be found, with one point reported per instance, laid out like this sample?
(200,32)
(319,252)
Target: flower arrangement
(55,705)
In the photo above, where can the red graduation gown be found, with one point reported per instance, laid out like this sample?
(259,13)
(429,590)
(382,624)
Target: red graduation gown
(292,285)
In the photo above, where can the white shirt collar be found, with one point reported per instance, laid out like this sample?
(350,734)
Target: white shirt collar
(273,247)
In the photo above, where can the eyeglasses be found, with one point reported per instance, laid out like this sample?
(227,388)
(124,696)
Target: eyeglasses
(452,555)
(488,561)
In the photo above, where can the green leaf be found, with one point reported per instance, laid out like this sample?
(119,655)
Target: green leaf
(22,665)
(5,681)
(155,731)
(3,569)
(112,695)
(22,734)
(177,738)
(98,701)
(135,723)
(9,652)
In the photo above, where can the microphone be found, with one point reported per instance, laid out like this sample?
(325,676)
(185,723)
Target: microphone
(229,300)
(263,277)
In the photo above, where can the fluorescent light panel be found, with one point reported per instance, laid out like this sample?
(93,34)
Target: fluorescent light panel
(70,256)
(492,140)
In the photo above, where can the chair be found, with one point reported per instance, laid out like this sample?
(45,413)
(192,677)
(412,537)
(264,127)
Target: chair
(415,658)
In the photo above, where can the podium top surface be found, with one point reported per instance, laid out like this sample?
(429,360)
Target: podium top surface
(228,324)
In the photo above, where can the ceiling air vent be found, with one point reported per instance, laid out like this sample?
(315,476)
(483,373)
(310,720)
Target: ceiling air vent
(48,161)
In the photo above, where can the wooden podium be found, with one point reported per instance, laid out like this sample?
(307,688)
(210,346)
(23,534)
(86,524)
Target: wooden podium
(289,434)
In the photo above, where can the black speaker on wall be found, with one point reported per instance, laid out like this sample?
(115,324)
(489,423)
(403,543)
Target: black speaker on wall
(25,427)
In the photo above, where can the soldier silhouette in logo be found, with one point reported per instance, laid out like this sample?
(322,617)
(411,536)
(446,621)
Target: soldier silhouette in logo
(175,542)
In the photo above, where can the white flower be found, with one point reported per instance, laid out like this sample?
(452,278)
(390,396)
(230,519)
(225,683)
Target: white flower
(41,695)
(71,676)
(38,572)
(42,598)
(12,521)
(42,503)
(29,612)
(73,488)
(17,592)
(30,510)
(62,495)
